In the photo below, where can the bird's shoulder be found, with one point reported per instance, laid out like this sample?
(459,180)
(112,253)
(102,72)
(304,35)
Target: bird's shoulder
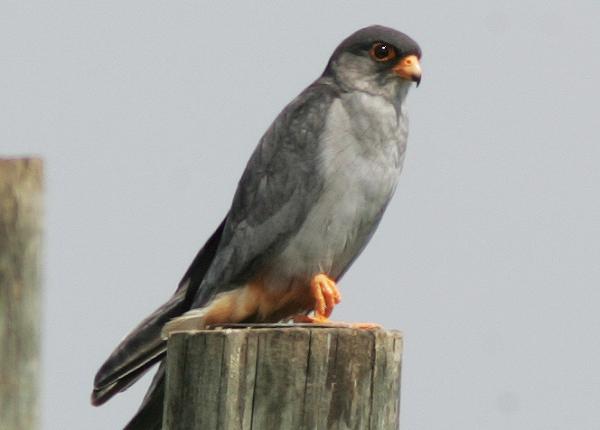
(299,125)
(283,163)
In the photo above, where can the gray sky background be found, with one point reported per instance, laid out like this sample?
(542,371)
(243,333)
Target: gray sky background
(487,258)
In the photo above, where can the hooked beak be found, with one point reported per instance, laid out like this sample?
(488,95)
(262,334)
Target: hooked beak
(409,68)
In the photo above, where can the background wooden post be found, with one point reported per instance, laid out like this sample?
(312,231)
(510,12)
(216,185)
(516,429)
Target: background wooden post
(20,278)
(276,378)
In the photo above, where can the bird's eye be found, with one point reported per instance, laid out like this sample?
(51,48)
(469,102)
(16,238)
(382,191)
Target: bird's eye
(382,52)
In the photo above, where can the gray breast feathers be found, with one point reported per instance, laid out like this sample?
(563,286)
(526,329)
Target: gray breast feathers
(361,154)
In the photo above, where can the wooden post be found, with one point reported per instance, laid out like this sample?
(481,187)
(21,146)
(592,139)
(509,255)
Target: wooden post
(296,378)
(20,279)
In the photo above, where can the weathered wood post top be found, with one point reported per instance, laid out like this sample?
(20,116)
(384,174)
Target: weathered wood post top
(273,377)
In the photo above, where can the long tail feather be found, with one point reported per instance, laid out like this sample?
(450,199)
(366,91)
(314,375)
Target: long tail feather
(144,347)
(136,353)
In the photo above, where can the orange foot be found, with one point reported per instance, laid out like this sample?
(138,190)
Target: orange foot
(327,295)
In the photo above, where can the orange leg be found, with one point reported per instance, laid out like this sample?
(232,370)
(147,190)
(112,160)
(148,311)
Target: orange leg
(327,295)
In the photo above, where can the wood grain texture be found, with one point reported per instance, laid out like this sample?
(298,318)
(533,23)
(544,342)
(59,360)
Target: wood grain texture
(20,279)
(283,378)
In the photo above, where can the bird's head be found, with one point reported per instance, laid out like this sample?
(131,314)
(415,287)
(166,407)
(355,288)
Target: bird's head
(378,60)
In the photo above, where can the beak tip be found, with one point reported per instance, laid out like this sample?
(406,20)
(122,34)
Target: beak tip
(417,80)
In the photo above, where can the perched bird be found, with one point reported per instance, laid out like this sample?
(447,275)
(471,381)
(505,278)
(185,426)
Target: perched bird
(309,200)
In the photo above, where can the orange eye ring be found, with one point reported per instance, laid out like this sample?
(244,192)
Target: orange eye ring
(381,51)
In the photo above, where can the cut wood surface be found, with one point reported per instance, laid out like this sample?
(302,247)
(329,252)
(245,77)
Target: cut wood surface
(20,279)
(283,378)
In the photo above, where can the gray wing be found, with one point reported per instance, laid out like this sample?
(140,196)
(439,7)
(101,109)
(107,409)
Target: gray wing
(274,195)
